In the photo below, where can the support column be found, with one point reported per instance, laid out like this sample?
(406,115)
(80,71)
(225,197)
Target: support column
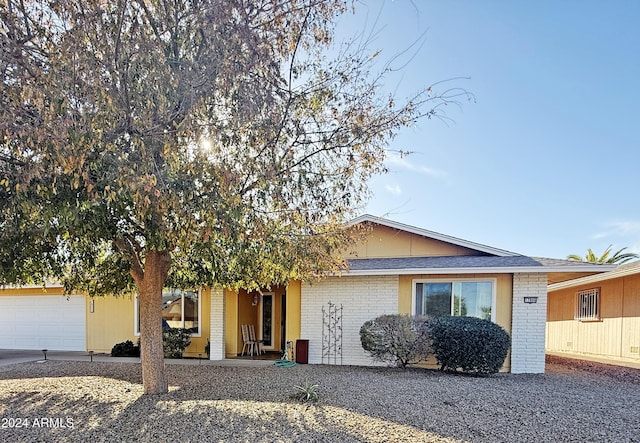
(217,324)
(528,323)
(292,320)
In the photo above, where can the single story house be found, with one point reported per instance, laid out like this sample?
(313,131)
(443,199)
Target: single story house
(596,316)
(397,269)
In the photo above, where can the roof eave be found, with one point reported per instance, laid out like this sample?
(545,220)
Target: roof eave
(32,286)
(467,270)
(611,274)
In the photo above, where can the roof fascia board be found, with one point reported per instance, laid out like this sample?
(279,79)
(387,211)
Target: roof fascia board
(45,286)
(431,234)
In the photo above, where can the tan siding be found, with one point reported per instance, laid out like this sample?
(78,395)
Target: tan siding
(383,241)
(561,335)
(616,335)
(631,320)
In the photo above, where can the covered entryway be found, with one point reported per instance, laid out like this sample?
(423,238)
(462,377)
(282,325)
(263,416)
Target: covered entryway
(265,311)
(52,322)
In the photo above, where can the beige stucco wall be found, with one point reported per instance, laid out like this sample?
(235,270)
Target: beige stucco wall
(292,320)
(231,324)
(197,346)
(112,321)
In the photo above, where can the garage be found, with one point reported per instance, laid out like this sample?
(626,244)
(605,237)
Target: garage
(53,322)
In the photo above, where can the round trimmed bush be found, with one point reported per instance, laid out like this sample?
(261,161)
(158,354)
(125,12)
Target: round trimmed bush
(471,344)
(399,340)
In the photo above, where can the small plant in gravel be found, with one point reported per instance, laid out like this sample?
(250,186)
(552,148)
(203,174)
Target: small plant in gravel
(471,344)
(306,393)
(175,341)
(125,349)
(397,339)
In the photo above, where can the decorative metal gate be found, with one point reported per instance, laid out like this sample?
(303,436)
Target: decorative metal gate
(332,334)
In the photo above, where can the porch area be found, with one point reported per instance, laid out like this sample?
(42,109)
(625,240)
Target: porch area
(273,312)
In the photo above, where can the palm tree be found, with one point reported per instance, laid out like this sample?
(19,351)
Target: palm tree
(617,258)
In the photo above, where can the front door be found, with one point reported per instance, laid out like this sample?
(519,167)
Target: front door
(267,321)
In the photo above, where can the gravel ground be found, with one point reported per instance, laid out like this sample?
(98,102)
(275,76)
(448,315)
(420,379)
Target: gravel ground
(103,402)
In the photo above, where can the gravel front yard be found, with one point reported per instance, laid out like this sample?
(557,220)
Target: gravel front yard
(95,402)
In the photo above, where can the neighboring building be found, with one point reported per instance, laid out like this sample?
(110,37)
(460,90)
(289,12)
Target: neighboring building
(597,316)
(397,269)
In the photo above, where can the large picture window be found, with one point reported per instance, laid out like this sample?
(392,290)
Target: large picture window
(180,309)
(455,297)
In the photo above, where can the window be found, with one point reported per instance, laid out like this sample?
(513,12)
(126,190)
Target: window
(180,309)
(588,305)
(470,298)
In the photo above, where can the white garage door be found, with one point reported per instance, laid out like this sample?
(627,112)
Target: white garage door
(43,322)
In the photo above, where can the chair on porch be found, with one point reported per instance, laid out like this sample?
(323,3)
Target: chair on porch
(252,337)
(249,345)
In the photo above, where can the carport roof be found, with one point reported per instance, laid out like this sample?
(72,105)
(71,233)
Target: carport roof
(621,271)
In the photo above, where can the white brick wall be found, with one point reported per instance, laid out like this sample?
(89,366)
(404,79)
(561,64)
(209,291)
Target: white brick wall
(528,323)
(217,324)
(362,298)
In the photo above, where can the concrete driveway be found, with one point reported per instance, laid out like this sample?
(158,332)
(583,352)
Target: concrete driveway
(12,356)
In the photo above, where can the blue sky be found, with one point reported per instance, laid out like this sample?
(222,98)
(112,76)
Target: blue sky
(545,161)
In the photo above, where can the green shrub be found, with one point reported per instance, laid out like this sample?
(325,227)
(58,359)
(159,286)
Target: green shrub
(125,349)
(396,339)
(175,341)
(473,345)
(306,393)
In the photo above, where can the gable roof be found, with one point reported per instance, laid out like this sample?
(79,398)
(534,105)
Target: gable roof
(497,260)
(431,234)
(619,271)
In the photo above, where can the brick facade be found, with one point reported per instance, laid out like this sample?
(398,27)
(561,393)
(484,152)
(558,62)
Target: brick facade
(362,298)
(528,323)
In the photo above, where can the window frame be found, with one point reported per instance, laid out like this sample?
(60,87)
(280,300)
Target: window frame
(452,281)
(136,313)
(578,314)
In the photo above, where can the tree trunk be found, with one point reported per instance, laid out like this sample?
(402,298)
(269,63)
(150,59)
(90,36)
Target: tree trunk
(156,268)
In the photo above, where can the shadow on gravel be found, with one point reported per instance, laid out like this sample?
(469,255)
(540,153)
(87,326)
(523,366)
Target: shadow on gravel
(105,403)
